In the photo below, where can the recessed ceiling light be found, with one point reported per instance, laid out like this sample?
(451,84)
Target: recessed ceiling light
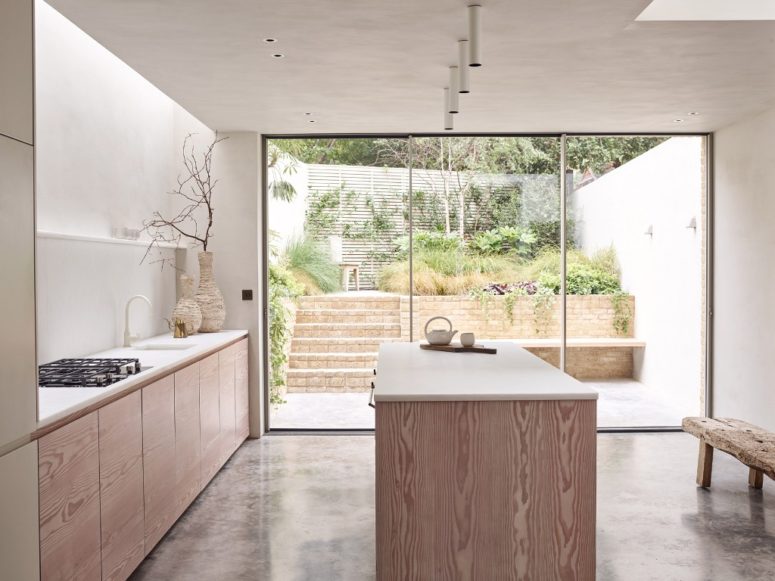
(678,120)
(311,120)
(278,55)
(692,113)
(308,113)
(270,40)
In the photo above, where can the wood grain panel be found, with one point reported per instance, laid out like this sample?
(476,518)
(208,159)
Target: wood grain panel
(121,487)
(241,390)
(69,479)
(486,490)
(159,459)
(188,446)
(228,409)
(209,417)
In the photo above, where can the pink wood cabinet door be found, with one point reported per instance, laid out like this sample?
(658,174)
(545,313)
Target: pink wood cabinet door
(228,409)
(159,459)
(121,486)
(69,476)
(188,447)
(209,417)
(241,390)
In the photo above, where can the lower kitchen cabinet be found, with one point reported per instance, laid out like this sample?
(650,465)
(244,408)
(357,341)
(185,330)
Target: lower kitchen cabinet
(159,459)
(69,481)
(121,486)
(188,447)
(114,481)
(210,417)
(241,390)
(227,400)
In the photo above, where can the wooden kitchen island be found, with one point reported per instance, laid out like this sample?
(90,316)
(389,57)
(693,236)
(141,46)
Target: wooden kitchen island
(485,467)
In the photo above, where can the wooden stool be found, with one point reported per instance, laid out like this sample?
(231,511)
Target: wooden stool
(347,268)
(753,446)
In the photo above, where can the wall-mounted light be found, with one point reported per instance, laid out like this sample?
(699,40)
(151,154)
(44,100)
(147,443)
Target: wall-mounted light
(464,86)
(692,224)
(649,231)
(448,123)
(474,36)
(454,95)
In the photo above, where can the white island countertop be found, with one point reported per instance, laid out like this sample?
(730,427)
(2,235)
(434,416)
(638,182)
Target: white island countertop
(407,373)
(58,403)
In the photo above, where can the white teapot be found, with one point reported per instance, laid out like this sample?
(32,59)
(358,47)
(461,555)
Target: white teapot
(439,336)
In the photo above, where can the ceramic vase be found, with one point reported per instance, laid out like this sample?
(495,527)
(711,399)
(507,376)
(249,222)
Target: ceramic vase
(209,296)
(187,308)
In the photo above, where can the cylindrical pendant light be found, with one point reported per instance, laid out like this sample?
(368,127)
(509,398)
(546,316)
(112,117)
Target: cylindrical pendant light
(474,36)
(448,124)
(454,84)
(463,66)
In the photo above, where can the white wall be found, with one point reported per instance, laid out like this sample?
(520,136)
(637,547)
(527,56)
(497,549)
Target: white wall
(662,189)
(236,244)
(744,279)
(108,151)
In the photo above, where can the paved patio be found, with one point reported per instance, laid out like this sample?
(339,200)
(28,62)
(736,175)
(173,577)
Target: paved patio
(622,403)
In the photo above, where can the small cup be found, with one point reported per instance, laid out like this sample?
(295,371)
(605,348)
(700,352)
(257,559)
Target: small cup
(467,339)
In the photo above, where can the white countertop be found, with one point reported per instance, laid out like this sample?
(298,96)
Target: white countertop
(407,373)
(57,402)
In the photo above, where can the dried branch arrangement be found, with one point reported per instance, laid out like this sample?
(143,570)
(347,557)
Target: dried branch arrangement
(195,190)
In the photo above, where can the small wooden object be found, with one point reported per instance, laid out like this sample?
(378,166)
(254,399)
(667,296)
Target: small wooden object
(459,348)
(753,446)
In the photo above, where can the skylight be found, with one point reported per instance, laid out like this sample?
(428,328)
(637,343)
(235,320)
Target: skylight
(709,10)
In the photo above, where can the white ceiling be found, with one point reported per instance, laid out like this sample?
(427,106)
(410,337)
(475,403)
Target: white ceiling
(380,65)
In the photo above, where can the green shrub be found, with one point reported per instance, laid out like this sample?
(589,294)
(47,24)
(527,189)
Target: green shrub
(310,263)
(282,287)
(430,241)
(504,240)
(586,275)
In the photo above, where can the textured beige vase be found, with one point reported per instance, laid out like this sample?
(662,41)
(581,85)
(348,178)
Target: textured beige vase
(209,296)
(187,308)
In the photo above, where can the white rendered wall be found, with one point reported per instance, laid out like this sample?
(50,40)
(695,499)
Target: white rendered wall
(108,149)
(744,279)
(236,245)
(661,189)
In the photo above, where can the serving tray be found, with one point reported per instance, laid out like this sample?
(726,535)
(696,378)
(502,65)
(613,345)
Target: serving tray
(459,348)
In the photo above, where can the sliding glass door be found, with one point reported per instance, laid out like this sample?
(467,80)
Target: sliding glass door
(636,275)
(337,220)
(371,238)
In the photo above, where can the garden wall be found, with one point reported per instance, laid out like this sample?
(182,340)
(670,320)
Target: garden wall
(524,317)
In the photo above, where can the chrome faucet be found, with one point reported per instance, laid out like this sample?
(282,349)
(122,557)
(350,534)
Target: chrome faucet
(128,337)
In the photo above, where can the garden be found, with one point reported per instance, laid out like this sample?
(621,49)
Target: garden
(486,230)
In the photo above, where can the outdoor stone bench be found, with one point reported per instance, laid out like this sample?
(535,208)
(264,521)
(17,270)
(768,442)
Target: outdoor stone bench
(753,446)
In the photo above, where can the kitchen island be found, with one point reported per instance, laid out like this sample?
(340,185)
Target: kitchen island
(485,466)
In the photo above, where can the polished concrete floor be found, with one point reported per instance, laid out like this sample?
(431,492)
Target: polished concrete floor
(622,403)
(299,508)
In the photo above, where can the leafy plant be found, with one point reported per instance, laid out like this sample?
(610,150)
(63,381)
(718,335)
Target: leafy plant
(543,309)
(622,312)
(282,288)
(310,263)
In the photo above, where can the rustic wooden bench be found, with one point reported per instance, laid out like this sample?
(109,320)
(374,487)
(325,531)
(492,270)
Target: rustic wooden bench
(752,445)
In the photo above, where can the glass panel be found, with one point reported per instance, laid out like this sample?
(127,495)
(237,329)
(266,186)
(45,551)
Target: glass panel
(486,219)
(635,276)
(337,215)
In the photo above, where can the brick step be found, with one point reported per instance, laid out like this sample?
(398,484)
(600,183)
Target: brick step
(347,316)
(383,303)
(347,330)
(339,345)
(367,360)
(329,380)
